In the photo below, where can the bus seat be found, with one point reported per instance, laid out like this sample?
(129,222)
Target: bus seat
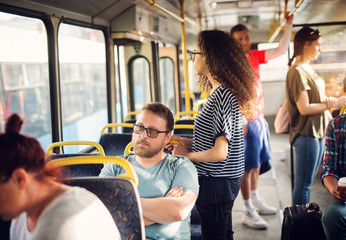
(188,114)
(183,130)
(129,116)
(128,148)
(114,143)
(129,129)
(119,194)
(77,170)
(122,200)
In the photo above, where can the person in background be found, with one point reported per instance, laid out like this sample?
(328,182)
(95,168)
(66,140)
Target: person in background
(218,144)
(40,207)
(168,184)
(334,168)
(256,133)
(308,111)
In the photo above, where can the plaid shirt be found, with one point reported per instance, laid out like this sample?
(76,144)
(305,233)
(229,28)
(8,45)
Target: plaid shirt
(334,163)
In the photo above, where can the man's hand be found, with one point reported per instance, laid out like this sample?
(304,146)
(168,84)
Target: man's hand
(175,192)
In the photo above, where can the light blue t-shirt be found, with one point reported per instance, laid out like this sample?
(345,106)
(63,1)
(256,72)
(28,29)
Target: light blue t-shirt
(172,171)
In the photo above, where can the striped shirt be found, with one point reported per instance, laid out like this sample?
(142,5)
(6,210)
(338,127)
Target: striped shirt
(334,163)
(220,116)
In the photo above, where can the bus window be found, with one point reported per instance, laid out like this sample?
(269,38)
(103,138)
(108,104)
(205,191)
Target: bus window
(24,87)
(167,83)
(331,64)
(121,86)
(141,82)
(83,83)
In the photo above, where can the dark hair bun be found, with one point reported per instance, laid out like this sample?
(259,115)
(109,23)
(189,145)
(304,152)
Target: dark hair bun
(14,123)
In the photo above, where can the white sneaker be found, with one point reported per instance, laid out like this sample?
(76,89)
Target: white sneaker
(253,220)
(263,208)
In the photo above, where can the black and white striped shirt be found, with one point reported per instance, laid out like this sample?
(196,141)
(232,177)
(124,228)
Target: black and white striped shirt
(221,116)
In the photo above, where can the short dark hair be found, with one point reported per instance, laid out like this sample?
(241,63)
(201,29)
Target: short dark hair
(238,28)
(162,111)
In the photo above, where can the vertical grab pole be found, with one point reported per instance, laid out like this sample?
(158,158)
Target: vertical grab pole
(183,46)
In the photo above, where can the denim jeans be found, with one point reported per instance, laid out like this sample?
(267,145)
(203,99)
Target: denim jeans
(334,220)
(308,155)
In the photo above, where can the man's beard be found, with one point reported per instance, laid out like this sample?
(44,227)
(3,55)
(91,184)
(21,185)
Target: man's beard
(148,152)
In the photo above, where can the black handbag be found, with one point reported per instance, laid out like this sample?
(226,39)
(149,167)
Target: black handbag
(302,222)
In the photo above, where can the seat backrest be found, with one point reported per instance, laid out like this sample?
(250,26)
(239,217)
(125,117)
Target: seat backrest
(129,129)
(82,170)
(183,127)
(114,144)
(119,194)
(121,197)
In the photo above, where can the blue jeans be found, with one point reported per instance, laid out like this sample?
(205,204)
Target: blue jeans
(334,220)
(308,155)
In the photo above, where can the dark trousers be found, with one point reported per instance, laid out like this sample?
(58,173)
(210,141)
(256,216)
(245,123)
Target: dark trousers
(216,220)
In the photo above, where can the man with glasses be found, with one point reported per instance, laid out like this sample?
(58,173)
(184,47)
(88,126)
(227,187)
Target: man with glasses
(168,185)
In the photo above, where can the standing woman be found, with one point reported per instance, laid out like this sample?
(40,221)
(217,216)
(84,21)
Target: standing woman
(308,110)
(40,207)
(217,144)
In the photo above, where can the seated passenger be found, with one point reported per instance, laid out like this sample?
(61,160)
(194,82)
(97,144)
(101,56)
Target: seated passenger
(334,167)
(168,185)
(42,207)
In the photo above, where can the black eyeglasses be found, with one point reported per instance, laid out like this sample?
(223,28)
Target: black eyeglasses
(153,133)
(193,55)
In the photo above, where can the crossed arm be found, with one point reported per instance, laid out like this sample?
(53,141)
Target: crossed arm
(175,206)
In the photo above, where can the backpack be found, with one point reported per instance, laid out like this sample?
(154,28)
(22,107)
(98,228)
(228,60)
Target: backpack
(302,222)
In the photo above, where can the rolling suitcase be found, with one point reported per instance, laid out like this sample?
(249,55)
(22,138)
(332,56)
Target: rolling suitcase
(302,222)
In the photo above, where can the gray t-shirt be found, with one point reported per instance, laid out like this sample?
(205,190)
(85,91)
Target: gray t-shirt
(76,214)
(154,182)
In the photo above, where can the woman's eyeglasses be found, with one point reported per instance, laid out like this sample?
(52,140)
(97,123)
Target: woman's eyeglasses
(153,133)
(193,55)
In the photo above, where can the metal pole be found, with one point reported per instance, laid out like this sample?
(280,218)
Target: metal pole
(183,48)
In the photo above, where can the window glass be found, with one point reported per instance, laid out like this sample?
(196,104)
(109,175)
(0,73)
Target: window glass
(24,87)
(83,83)
(141,82)
(331,64)
(275,69)
(167,83)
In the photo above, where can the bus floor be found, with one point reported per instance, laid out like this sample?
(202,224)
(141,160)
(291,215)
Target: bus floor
(275,188)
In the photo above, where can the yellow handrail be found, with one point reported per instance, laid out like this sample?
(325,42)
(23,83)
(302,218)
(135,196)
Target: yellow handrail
(49,151)
(129,125)
(128,149)
(183,126)
(343,109)
(187,113)
(130,114)
(130,172)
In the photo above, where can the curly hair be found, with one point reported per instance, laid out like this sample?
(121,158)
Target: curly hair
(229,66)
